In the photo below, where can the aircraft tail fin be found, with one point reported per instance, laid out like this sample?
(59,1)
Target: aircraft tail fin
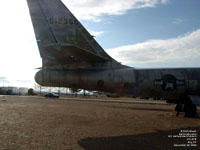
(60,36)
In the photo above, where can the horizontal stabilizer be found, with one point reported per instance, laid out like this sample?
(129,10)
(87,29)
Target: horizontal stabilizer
(72,53)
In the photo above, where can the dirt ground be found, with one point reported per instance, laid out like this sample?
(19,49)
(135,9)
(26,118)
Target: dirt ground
(28,123)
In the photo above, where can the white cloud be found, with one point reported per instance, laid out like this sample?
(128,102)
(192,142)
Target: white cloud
(177,21)
(93,9)
(96,33)
(184,49)
(19,52)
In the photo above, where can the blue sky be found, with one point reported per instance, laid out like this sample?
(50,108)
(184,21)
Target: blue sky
(146,33)
(139,33)
(173,19)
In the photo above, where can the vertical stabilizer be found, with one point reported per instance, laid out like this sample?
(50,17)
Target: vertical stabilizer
(60,36)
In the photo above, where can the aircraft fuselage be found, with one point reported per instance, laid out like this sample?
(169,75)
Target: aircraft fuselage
(166,83)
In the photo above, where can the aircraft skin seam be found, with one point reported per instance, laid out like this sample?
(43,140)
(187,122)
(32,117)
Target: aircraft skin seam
(47,22)
(88,42)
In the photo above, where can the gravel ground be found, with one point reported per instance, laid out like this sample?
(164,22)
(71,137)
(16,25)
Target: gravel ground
(28,123)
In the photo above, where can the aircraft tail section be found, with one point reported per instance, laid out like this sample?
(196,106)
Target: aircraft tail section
(60,36)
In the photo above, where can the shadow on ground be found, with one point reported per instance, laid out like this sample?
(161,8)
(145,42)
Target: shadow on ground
(154,109)
(150,141)
(146,109)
